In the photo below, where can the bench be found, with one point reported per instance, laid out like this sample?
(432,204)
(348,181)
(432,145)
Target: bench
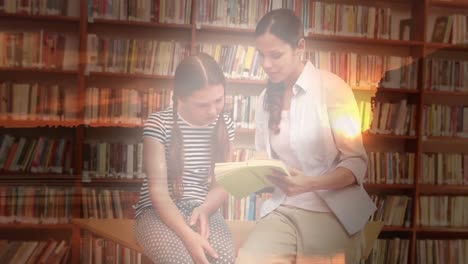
(121,231)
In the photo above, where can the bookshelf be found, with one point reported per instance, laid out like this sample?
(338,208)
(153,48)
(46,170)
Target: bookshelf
(81,128)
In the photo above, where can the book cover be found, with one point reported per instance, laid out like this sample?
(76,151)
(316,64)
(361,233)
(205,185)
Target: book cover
(243,178)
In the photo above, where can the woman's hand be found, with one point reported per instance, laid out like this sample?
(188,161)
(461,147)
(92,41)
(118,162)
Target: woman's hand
(200,218)
(293,184)
(197,246)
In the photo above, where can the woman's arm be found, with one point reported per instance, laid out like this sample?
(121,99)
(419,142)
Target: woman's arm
(345,126)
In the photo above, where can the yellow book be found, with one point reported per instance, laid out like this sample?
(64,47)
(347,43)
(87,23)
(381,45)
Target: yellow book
(370,233)
(243,178)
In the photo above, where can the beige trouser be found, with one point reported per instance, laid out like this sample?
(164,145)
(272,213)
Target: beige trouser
(292,235)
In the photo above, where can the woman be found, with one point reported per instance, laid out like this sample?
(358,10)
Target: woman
(177,217)
(307,118)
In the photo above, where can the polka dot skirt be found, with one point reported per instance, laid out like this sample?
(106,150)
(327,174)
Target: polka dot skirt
(163,246)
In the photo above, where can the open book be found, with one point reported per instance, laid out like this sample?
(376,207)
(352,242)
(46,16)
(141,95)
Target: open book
(243,178)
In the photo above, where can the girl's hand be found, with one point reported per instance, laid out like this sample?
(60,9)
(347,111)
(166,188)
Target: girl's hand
(201,219)
(197,246)
(293,184)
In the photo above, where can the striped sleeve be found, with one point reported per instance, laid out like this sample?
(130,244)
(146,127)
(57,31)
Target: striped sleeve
(230,127)
(155,128)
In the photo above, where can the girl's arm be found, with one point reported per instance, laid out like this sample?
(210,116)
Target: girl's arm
(214,200)
(154,161)
(217,195)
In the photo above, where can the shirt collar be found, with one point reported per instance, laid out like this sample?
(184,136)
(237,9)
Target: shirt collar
(307,80)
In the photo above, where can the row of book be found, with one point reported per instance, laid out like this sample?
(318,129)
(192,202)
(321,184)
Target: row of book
(236,13)
(129,106)
(112,160)
(124,106)
(137,56)
(242,110)
(134,56)
(161,11)
(450,29)
(243,154)
(122,160)
(389,251)
(97,250)
(441,251)
(32,252)
(237,61)
(318,16)
(445,120)
(36,155)
(444,74)
(35,204)
(443,210)
(444,168)
(397,118)
(367,71)
(108,203)
(37,101)
(41,7)
(246,209)
(391,168)
(393,210)
(40,49)
(321,17)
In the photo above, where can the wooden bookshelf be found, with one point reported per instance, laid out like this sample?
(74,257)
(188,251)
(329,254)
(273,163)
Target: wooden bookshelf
(195,33)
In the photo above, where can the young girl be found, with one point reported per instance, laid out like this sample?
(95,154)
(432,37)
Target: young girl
(177,217)
(307,118)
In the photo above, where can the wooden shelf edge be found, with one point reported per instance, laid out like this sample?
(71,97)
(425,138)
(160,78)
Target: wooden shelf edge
(36,226)
(246,81)
(30,176)
(396,229)
(107,181)
(389,136)
(446,139)
(226,29)
(113,125)
(445,93)
(113,22)
(366,41)
(54,18)
(447,230)
(38,123)
(38,70)
(383,186)
(129,75)
(443,189)
(449,4)
(397,90)
(446,46)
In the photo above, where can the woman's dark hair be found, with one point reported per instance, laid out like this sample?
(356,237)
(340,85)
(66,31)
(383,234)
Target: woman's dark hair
(285,25)
(192,74)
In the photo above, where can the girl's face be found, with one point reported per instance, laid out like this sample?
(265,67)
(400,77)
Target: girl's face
(203,106)
(278,58)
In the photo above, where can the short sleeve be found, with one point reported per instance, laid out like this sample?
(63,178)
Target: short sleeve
(154,127)
(230,127)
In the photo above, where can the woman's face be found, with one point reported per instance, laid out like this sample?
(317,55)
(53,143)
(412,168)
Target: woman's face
(278,58)
(203,106)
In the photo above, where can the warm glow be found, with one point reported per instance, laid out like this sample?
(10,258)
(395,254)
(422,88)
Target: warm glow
(347,126)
